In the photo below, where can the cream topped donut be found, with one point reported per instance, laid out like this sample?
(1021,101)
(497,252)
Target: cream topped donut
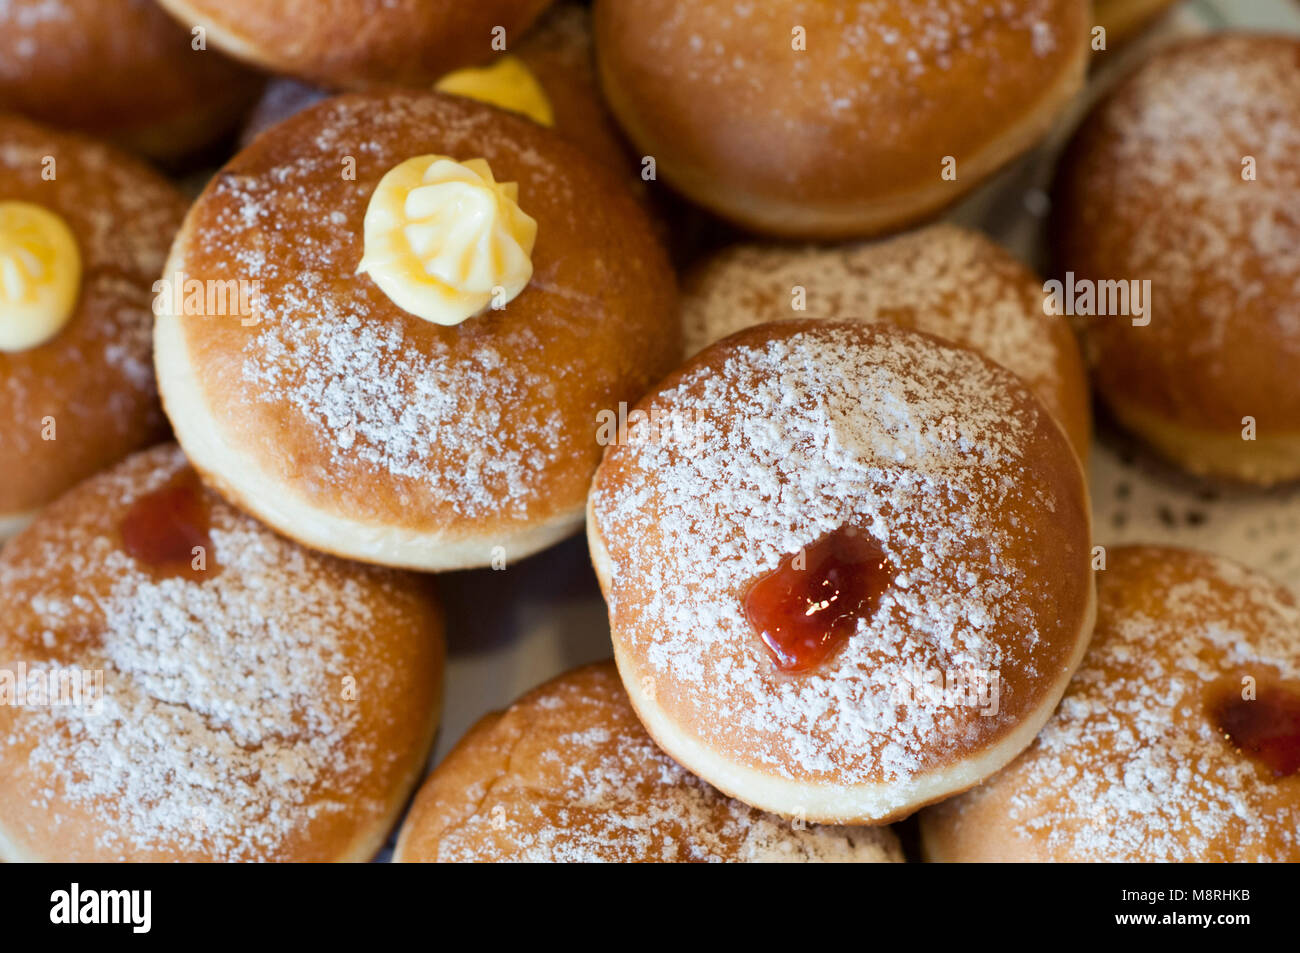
(847,567)
(180,683)
(1178,739)
(1187,179)
(836,118)
(426,343)
(549,76)
(353,44)
(121,70)
(951,282)
(567,774)
(84,231)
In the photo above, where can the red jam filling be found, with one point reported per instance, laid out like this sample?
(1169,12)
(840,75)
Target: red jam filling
(168,530)
(1265,728)
(809,606)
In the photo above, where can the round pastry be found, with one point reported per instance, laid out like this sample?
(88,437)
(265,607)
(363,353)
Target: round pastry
(1182,190)
(120,70)
(1125,19)
(836,119)
(1178,740)
(442,297)
(183,684)
(84,231)
(353,44)
(567,773)
(550,76)
(951,282)
(847,567)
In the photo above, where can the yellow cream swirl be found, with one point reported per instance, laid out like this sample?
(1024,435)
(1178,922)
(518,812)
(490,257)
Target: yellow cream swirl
(507,83)
(40,275)
(445,241)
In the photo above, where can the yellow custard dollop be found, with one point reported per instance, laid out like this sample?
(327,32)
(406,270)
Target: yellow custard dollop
(445,241)
(40,275)
(507,83)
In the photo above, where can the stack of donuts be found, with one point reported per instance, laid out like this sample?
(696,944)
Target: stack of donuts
(304,305)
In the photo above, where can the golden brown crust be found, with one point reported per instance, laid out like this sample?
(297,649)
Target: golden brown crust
(1132,768)
(355,44)
(279,709)
(331,395)
(951,282)
(1156,187)
(93,383)
(848,136)
(567,773)
(780,434)
(121,70)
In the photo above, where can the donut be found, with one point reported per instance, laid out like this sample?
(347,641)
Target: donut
(951,282)
(1125,19)
(555,57)
(567,774)
(84,230)
(374,399)
(183,684)
(119,70)
(847,567)
(1186,178)
(354,44)
(1177,741)
(827,120)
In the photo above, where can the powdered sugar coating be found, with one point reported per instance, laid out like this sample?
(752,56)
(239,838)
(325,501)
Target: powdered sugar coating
(796,430)
(568,774)
(946,281)
(226,729)
(1132,767)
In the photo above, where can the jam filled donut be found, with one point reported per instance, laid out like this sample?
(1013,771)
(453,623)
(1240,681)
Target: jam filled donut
(567,773)
(549,76)
(443,297)
(121,70)
(184,684)
(842,118)
(353,44)
(1125,19)
(84,231)
(1187,179)
(947,281)
(847,567)
(1178,739)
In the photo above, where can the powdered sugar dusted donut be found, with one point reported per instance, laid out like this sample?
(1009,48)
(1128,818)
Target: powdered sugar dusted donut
(567,773)
(836,118)
(1186,177)
(80,395)
(353,425)
(1178,739)
(847,567)
(237,697)
(951,282)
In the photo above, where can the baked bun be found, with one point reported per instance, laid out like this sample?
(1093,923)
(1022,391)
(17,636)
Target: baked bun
(567,773)
(354,44)
(951,282)
(120,70)
(255,701)
(557,52)
(82,396)
(1145,760)
(1125,19)
(1188,177)
(355,427)
(848,135)
(810,522)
